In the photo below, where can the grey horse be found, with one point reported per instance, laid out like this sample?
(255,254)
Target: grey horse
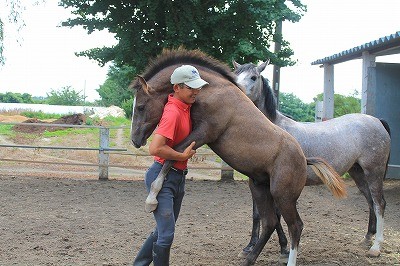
(355,143)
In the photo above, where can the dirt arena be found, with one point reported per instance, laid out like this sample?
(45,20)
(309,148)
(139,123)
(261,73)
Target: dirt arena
(70,221)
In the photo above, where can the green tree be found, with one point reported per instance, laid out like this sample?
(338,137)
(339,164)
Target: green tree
(291,105)
(65,96)
(344,104)
(224,29)
(115,90)
(10,97)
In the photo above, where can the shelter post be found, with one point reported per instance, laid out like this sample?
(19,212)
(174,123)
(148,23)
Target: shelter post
(368,61)
(328,92)
(226,172)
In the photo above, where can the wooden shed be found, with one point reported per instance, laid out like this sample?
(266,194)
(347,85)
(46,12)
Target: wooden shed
(380,95)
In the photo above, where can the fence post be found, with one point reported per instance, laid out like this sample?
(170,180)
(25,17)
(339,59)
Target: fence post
(104,157)
(226,172)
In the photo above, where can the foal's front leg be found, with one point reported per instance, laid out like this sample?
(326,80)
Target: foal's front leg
(196,135)
(151,200)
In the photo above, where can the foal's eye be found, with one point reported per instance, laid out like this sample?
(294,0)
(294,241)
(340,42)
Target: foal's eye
(140,108)
(253,78)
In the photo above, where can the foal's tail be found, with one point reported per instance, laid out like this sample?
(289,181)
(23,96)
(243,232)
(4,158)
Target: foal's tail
(329,176)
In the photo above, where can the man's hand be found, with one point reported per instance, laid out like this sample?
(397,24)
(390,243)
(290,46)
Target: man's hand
(189,152)
(158,147)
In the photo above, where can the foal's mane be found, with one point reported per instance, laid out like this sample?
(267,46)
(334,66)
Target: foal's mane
(182,56)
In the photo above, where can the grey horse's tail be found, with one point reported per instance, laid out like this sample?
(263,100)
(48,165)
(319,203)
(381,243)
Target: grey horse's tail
(386,126)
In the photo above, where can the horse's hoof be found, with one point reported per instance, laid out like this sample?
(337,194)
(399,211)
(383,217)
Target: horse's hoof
(373,253)
(366,243)
(243,254)
(283,258)
(246,251)
(150,207)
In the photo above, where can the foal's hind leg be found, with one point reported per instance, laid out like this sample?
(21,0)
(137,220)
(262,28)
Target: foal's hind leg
(282,238)
(295,226)
(255,233)
(265,206)
(370,183)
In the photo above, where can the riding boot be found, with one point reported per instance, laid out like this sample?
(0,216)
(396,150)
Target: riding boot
(145,255)
(160,255)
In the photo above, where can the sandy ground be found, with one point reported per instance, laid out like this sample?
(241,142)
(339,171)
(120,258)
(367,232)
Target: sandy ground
(65,221)
(56,214)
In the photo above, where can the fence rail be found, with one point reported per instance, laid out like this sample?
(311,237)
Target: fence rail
(104,150)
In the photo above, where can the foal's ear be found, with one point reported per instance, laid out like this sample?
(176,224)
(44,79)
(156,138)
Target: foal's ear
(235,64)
(146,88)
(261,67)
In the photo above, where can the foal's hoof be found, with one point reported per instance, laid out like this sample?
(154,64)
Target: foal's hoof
(373,253)
(150,205)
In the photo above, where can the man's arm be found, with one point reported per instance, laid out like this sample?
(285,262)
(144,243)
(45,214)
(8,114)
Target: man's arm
(158,147)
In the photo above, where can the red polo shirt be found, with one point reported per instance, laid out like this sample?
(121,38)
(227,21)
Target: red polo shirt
(175,125)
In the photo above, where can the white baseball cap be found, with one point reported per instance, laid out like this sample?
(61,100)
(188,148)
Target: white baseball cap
(188,75)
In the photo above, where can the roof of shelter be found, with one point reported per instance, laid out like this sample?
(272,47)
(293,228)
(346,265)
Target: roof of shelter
(383,46)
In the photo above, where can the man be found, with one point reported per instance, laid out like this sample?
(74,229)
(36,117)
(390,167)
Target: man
(175,125)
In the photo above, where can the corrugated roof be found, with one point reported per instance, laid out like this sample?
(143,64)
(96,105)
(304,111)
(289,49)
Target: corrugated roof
(383,46)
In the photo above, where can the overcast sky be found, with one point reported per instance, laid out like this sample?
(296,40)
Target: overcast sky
(45,59)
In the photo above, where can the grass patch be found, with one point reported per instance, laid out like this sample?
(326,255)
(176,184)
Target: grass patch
(40,115)
(117,121)
(240,175)
(6,130)
(108,121)
(70,131)
(346,176)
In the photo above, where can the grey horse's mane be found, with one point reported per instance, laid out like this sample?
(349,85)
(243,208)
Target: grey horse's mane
(269,97)
(170,57)
(270,100)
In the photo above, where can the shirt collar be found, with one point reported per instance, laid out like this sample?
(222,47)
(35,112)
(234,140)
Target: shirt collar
(179,103)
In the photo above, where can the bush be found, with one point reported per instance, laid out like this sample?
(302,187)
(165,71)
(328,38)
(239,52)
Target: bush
(127,105)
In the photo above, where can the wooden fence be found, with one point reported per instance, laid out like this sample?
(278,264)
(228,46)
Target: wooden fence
(104,151)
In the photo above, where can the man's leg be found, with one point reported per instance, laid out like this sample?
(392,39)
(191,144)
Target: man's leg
(169,204)
(145,255)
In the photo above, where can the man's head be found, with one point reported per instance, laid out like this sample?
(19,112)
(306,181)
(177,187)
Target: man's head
(189,76)
(187,83)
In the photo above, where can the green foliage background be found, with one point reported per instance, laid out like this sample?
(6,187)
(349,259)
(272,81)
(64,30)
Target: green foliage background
(343,104)
(224,29)
(65,96)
